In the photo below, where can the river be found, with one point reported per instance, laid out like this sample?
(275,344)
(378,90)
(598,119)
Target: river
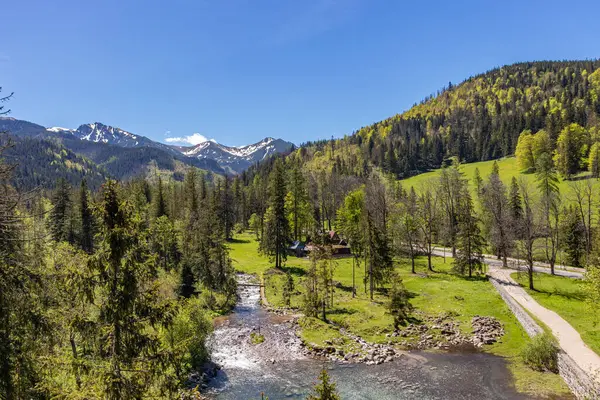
(279,368)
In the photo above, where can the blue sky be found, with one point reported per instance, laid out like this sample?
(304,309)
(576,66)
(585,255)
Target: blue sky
(240,70)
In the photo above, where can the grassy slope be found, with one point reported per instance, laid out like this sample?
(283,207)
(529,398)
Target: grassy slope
(567,298)
(508,170)
(434,294)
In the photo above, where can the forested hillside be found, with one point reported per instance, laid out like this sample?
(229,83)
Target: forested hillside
(40,163)
(481,118)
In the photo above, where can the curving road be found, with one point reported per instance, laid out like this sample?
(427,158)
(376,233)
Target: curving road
(519,265)
(568,338)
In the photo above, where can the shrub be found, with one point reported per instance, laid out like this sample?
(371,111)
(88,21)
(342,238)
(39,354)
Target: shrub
(256,338)
(541,354)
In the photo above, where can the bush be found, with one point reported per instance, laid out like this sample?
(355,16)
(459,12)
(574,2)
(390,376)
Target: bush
(541,354)
(256,338)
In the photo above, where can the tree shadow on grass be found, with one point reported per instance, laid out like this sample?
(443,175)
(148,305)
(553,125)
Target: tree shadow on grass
(562,293)
(294,270)
(341,311)
(385,292)
(235,240)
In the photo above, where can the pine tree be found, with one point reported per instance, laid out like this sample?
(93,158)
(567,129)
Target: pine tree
(86,240)
(515,202)
(128,303)
(573,233)
(325,390)
(160,205)
(226,208)
(470,242)
(399,303)
(288,288)
(60,217)
(275,241)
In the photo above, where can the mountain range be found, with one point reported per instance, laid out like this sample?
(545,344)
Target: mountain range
(103,150)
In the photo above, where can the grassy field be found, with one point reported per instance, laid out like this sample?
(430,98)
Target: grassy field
(432,294)
(508,170)
(566,297)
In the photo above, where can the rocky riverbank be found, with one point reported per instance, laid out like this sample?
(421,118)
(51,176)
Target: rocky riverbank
(440,332)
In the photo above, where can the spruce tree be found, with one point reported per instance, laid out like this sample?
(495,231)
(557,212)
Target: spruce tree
(86,239)
(59,218)
(325,390)
(573,233)
(469,239)
(275,241)
(160,204)
(128,303)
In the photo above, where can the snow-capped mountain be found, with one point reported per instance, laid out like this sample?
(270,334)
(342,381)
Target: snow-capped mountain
(100,133)
(238,159)
(96,139)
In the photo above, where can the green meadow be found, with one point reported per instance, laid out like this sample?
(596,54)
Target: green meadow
(432,294)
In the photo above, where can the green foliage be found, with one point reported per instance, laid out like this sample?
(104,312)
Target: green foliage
(128,304)
(571,148)
(288,288)
(524,151)
(399,304)
(470,242)
(60,220)
(594,160)
(573,237)
(325,389)
(256,338)
(541,354)
(275,241)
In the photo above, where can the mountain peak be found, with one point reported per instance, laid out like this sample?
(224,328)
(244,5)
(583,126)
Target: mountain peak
(237,159)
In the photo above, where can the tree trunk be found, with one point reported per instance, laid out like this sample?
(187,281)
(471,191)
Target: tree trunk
(353,281)
(530,274)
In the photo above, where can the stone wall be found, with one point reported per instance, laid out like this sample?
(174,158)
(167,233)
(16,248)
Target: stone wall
(579,381)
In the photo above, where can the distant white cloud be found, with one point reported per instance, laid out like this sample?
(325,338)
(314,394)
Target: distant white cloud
(193,139)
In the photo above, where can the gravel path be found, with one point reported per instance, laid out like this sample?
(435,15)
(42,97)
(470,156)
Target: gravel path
(519,265)
(568,338)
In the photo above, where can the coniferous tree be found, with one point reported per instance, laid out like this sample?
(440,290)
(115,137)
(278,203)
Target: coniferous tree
(128,303)
(160,204)
(86,239)
(275,241)
(21,317)
(469,239)
(515,202)
(60,218)
(288,288)
(399,303)
(573,233)
(325,390)
(226,208)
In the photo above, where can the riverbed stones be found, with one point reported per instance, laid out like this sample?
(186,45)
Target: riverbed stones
(486,330)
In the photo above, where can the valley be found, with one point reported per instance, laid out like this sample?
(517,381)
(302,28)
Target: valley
(449,251)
